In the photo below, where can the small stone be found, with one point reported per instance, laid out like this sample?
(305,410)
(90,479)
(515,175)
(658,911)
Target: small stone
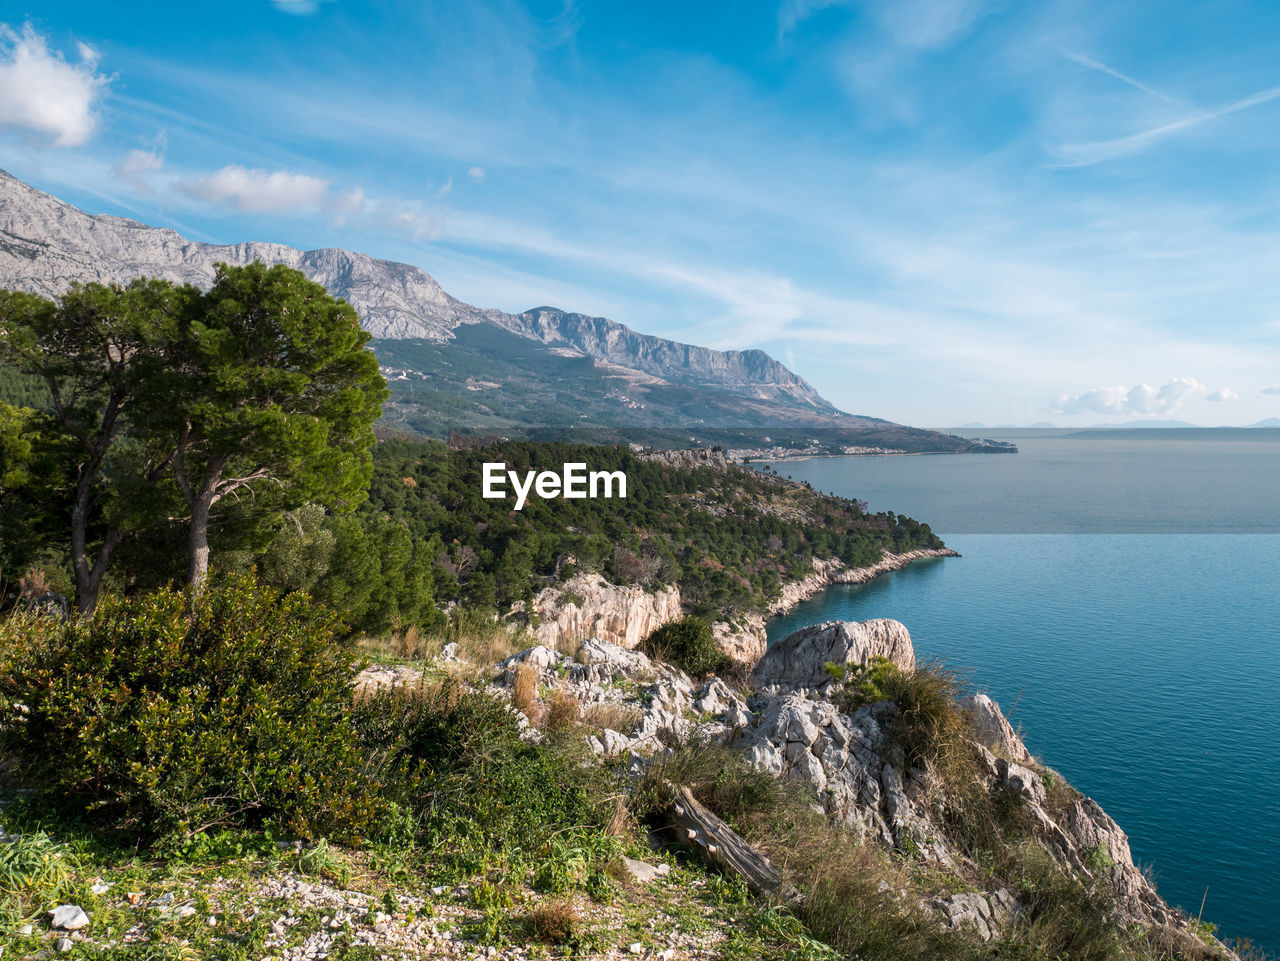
(644,872)
(100,887)
(636,948)
(68,917)
(212,921)
(62,945)
(186,911)
(26,930)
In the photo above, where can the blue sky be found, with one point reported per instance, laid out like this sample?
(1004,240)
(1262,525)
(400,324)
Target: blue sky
(937,212)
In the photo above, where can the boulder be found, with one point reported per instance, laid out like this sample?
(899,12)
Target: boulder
(993,729)
(798,661)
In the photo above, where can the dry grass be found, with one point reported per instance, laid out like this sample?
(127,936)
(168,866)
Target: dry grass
(524,690)
(410,644)
(563,709)
(611,715)
(33,584)
(554,922)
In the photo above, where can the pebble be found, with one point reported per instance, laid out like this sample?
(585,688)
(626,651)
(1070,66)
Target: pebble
(62,945)
(636,948)
(68,917)
(26,930)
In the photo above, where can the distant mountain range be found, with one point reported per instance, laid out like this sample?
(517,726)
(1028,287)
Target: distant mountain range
(544,372)
(1128,425)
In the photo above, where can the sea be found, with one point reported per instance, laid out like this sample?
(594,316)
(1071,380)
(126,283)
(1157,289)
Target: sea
(1119,594)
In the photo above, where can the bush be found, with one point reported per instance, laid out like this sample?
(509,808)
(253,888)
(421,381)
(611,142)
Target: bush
(932,723)
(457,756)
(554,922)
(688,644)
(168,714)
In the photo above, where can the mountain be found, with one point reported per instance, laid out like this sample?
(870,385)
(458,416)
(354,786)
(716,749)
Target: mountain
(453,366)
(1269,422)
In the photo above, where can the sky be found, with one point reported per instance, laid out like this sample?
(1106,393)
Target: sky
(936,211)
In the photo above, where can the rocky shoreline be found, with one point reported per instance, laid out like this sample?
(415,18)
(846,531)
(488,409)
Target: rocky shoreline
(790,720)
(745,639)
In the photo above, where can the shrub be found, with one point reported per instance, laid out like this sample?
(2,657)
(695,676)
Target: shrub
(688,644)
(457,756)
(931,724)
(554,922)
(172,714)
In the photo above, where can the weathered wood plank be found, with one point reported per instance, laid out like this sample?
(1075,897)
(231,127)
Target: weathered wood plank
(726,847)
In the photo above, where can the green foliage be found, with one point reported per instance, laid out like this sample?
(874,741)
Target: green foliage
(931,723)
(864,683)
(688,644)
(168,714)
(325,861)
(729,539)
(484,795)
(169,402)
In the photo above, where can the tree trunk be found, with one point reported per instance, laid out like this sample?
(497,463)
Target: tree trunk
(88,578)
(198,542)
(201,503)
(726,847)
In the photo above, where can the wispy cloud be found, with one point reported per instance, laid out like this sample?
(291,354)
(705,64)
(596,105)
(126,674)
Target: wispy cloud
(297,7)
(1084,155)
(792,13)
(1112,72)
(1218,396)
(1271,390)
(41,91)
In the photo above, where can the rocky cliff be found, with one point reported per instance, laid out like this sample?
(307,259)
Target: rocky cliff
(794,724)
(588,606)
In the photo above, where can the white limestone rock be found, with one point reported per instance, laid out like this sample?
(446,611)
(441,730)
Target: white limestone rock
(798,661)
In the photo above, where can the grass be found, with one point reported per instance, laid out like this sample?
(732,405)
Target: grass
(35,871)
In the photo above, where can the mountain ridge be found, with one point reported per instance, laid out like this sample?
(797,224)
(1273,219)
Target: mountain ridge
(545,373)
(47,243)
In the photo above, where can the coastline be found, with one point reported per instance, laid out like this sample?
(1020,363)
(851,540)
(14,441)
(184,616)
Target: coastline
(746,638)
(835,571)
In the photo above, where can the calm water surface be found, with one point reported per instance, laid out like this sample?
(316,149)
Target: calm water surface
(1144,666)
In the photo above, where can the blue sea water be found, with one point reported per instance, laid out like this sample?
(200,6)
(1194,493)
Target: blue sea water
(1143,666)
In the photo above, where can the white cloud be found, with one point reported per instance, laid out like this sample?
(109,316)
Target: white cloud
(137,164)
(477,174)
(1141,399)
(1271,390)
(41,91)
(1218,396)
(258,191)
(347,204)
